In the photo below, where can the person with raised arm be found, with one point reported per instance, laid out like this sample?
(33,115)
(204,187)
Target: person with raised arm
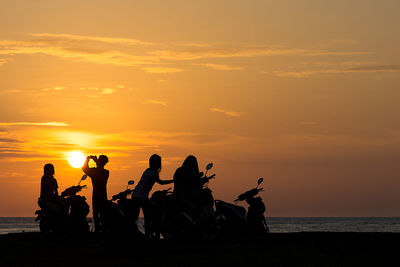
(99,177)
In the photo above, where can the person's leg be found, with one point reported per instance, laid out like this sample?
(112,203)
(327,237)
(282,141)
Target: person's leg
(147,219)
(96,219)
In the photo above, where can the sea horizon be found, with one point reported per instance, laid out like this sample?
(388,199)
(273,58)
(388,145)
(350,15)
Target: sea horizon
(276,224)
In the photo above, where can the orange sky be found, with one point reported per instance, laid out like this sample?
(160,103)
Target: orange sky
(302,93)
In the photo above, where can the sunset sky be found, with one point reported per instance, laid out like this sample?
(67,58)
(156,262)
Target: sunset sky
(303,93)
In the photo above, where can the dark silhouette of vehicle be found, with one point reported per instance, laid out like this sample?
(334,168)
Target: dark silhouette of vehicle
(233,220)
(67,214)
(181,218)
(121,213)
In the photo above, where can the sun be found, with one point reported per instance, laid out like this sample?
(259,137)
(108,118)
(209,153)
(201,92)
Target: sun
(76,159)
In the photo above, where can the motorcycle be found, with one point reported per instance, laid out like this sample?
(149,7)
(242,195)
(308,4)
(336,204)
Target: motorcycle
(65,214)
(121,213)
(175,217)
(233,220)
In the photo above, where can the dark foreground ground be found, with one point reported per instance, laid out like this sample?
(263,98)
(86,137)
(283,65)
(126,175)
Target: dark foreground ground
(294,249)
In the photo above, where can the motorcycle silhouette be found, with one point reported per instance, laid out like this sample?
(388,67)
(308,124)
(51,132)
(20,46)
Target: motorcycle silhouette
(179,218)
(121,213)
(233,220)
(66,214)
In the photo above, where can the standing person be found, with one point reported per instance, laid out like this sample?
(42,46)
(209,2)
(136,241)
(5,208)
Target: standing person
(141,192)
(99,177)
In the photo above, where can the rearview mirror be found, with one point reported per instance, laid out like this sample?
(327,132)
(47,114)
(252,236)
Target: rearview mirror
(84,177)
(131,182)
(260,181)
(209,166)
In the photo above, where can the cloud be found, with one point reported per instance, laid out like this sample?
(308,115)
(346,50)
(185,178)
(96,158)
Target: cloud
(57,88)
(162,70)
(3,61)
(52,124)
(362,69)
(219,66)
(60,37)
(76,52)
(381,68)
(156,102)
(9,140)
(224,52)
(107,91)
(226,112)
(200,52)
(150,56)
(337,53)
(344,41)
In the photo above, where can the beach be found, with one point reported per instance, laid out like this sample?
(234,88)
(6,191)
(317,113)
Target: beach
(277,249)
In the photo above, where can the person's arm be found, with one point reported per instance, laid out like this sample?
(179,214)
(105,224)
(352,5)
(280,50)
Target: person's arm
(205,179)
(86,169)
(163,182)
(56,189)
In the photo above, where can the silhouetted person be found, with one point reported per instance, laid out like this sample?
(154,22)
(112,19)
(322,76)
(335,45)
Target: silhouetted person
(141,192)
(48,184)
(188,181)
(49,198)
(188,184)
(99,177)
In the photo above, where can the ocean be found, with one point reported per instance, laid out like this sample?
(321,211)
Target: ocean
(276,225)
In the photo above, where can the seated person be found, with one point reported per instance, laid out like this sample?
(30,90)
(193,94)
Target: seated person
(49,191)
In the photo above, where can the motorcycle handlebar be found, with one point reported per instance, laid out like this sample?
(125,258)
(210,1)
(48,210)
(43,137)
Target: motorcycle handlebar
(121,194)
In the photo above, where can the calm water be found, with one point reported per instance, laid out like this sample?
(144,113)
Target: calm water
(276,225)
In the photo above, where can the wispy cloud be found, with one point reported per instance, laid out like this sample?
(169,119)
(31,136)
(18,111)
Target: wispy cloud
(219,66)
(224,52)
(3,61)
(243,52)
(73,37)
(75,52)
(156,102)
(150,56)
(344,41)
(107,91)
(362,69)
(54,124)
(226,112)
(162,70)
(57,88)
(9,140)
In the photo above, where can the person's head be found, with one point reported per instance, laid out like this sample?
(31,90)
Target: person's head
(48,169)
(102,161)
(191,163)
(155,162)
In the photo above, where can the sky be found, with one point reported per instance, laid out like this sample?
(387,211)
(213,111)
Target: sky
(302,93)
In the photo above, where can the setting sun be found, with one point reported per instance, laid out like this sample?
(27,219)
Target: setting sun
(76,159)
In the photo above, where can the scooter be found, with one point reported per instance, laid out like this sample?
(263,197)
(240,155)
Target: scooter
(121,213)
(129,207)
(65,214)
(179,218)
(233,219)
